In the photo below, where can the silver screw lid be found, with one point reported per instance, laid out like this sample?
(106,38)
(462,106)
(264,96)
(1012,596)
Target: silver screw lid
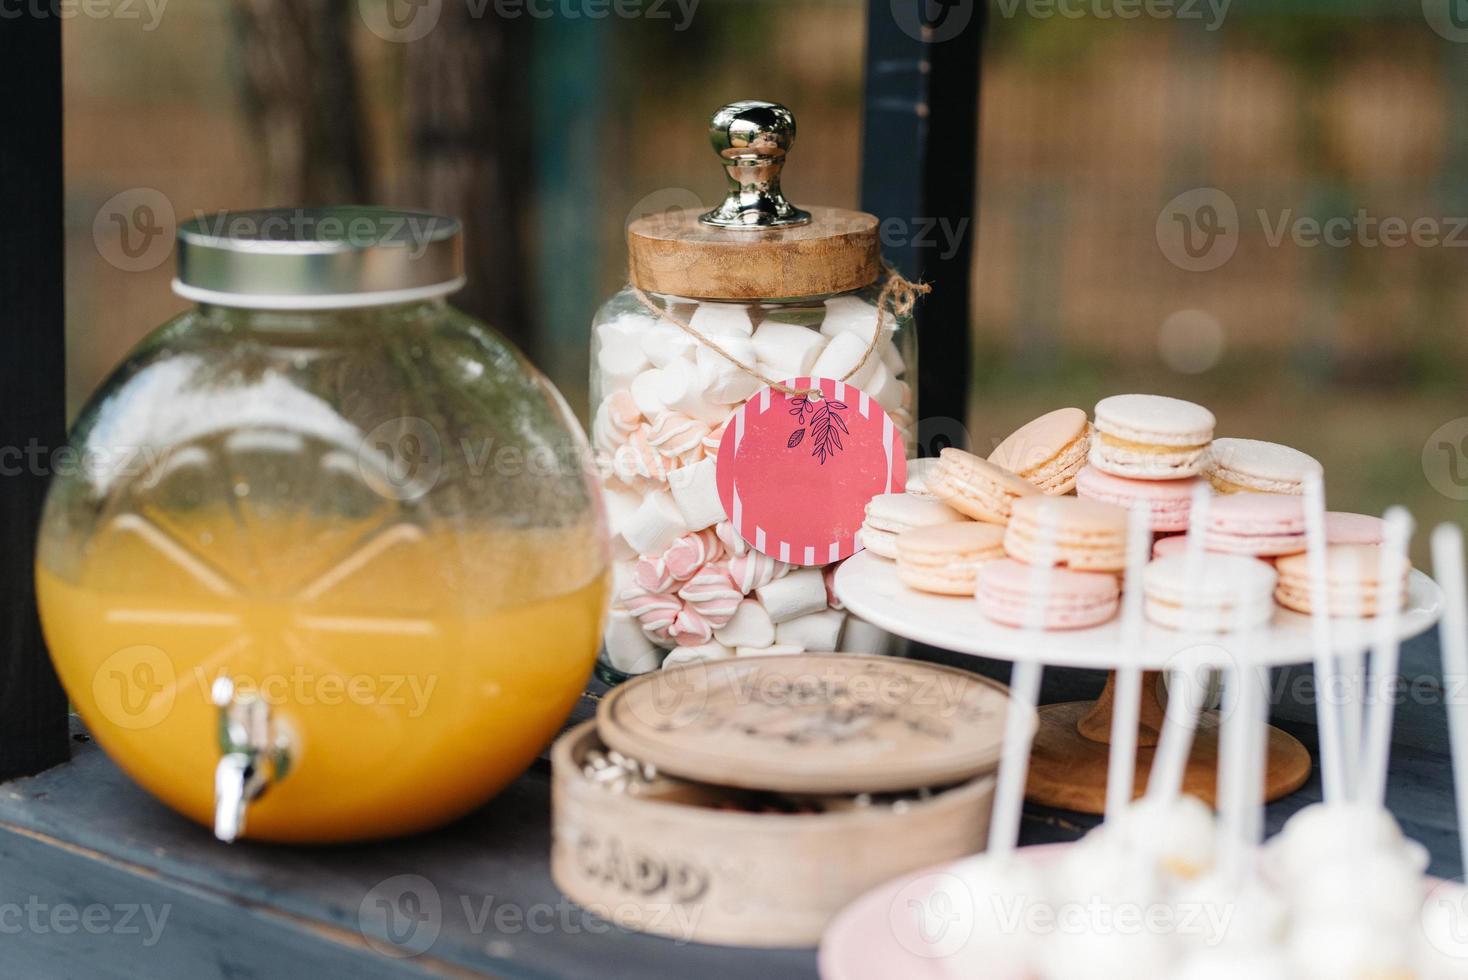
(319,258)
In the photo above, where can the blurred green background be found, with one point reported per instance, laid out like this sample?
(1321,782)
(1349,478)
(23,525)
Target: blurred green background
(547,133)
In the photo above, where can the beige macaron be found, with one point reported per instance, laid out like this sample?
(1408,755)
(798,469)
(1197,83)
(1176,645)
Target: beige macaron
(1352,580)
(945,558)
(1089,535)
(977,487)
(1252,466)
(1151,437)
(1048,452)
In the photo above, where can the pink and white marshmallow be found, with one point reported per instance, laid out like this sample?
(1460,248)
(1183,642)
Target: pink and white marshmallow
(754,570)
(712,594)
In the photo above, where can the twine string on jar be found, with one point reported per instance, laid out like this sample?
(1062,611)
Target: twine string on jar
(897,299)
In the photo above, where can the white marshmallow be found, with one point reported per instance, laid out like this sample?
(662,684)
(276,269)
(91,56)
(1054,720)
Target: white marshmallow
(800,593)
(892,357)
(628,648)
(666,343)
(851,314)
(861,636)
(774,649)
(622,580)
(723,383)
(750,627)
(818,631)
(619,364)
(645,393)
(721,320)
(786,350)
(656,524)
(679,389)
(884,389)
(691,655)
(840,359)
(620,355)
(620,506)
(696,492)
(621,550)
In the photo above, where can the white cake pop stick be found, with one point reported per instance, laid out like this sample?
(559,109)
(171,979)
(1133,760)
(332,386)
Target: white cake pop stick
(1185,689)
(1024,692)
(1237,773)
(1447,565)
(1127,709)
(1385,657)
(1328,713)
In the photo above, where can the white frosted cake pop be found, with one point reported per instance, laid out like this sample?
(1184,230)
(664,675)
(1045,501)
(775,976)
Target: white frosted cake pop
(997,899)
(1258,964)
(1382,887)
(1223,911)
(1350,949)
(1324,832)
(1180,833)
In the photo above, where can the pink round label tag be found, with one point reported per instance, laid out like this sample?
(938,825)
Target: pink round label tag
(795,474)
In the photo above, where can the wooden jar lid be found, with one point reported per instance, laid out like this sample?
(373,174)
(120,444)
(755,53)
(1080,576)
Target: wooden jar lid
(811,723)
(676,253)
(755,244)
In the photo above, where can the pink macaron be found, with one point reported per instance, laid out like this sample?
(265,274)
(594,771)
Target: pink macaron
(1076,599)
(1172,544)
(1168,500)
(1257,524)
(1344,528)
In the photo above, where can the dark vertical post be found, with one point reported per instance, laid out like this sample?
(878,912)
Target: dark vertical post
(32,376)
(919,175)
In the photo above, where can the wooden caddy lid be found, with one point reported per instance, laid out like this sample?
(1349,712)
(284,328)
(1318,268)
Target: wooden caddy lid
(810,723)
(756,244)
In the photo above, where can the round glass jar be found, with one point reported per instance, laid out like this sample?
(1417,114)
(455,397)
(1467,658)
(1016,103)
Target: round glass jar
(333,565)
(740,278)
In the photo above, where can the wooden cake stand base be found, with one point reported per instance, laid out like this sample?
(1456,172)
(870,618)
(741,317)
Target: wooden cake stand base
(1069,760)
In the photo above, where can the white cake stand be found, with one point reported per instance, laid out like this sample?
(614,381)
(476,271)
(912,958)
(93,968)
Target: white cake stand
(1070,756)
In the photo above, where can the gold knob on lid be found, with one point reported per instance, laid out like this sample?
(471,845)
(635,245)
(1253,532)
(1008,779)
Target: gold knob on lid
(752,139)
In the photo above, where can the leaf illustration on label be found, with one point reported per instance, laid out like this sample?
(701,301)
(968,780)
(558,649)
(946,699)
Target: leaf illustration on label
(795,438)
(825,430)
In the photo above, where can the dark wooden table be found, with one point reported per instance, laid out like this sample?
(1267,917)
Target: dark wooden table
(81,841)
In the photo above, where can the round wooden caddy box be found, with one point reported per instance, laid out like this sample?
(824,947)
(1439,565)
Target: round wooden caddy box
(688,854)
